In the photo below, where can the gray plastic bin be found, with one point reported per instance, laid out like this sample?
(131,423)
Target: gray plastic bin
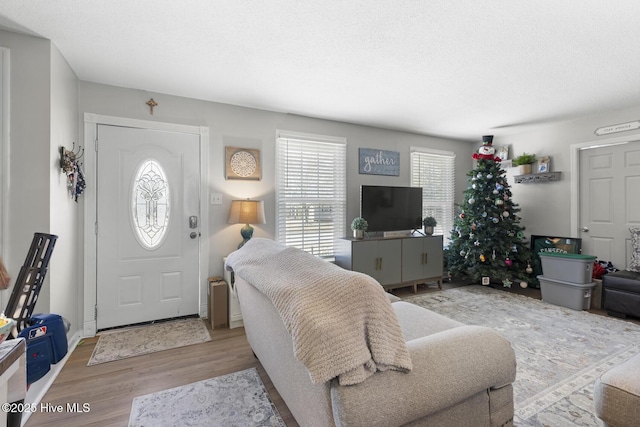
(576,296)
(574,268)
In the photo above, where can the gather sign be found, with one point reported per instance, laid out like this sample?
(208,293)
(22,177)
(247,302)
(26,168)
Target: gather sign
(379,162)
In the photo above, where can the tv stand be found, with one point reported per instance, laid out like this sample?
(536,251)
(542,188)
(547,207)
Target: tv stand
(394,262)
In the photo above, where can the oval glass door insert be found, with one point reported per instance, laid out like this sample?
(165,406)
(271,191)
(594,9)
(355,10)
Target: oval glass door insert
(150,204)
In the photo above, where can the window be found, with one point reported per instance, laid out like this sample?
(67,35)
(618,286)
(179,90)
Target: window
(150,204)
(434,171)
(311,191)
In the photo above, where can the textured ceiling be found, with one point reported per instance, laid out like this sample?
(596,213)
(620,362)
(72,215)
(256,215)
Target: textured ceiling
(441,67)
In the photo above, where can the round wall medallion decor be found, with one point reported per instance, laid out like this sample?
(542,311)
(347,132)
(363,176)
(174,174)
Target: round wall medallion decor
(243,164)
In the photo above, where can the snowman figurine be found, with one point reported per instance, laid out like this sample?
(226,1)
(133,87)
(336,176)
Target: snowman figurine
(487,151)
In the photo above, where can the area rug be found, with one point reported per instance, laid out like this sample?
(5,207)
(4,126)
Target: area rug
(139,340)
(238,399)
(559,352)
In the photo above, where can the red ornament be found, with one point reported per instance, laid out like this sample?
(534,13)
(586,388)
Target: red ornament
(508,262)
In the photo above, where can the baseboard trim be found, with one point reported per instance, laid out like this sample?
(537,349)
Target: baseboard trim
(38,389)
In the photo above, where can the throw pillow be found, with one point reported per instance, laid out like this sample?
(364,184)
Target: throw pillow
(635,250)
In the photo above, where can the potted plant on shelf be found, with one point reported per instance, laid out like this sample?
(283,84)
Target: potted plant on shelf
(359,225)
(429,224)
(524,161)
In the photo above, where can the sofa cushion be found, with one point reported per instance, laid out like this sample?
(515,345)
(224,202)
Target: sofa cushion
(617,394)
(623,280)
(635,250)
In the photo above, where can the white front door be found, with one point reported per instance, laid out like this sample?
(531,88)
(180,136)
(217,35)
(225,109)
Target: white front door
(148,219)
(609,202)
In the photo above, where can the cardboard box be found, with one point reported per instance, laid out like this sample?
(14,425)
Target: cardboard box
(217,313)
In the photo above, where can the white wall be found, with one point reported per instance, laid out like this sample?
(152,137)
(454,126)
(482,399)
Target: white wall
(546,207)
(251,128)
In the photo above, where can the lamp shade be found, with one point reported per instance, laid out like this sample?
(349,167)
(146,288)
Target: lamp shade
(246,212)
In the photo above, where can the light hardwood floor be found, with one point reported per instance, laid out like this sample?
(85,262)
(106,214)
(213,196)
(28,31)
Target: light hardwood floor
(109,388)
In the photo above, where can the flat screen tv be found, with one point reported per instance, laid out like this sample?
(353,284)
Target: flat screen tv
(391,208)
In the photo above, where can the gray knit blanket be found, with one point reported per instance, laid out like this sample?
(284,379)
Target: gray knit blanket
(341,322)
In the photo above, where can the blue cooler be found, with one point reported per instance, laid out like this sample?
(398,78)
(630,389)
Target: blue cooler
(46,341)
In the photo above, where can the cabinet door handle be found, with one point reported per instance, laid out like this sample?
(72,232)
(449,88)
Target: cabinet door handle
(426,260)
(380,263)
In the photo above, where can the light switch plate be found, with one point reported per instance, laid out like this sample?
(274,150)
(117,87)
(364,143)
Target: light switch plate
(215,198)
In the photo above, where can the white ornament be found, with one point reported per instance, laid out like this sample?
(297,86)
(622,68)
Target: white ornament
(489,176)
(505,214)
(472,201)
(523,284)
(495,191)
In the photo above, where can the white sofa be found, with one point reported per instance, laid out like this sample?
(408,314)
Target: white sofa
(461,375)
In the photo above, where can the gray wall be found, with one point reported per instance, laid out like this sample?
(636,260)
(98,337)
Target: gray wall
(29,167)
(43,115)
(251,128)
(546,207)
(66,214)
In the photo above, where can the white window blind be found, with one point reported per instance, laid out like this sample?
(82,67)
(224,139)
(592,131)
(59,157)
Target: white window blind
(311,192)
(434,171)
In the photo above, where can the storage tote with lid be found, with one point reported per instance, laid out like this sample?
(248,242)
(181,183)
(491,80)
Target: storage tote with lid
(576,296)
(574,268)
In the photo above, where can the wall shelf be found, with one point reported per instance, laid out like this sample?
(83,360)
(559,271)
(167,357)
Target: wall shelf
(537,177)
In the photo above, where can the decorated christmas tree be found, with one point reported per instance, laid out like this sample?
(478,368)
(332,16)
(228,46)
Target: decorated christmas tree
(487,243)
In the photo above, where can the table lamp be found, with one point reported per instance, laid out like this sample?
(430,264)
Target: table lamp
(246,212)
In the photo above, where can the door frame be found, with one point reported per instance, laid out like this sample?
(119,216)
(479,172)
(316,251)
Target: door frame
(91,122)
(576,173)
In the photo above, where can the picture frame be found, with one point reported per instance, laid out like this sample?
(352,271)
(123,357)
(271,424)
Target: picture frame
(242,163)
(378,162)
(544,164)
(502,152)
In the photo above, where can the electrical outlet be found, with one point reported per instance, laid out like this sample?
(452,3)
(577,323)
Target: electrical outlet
(216,198)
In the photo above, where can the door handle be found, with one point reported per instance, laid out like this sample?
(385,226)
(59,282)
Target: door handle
(585,229)
(193,222)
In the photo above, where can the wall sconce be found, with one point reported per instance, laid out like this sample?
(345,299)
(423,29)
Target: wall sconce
(246,212)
